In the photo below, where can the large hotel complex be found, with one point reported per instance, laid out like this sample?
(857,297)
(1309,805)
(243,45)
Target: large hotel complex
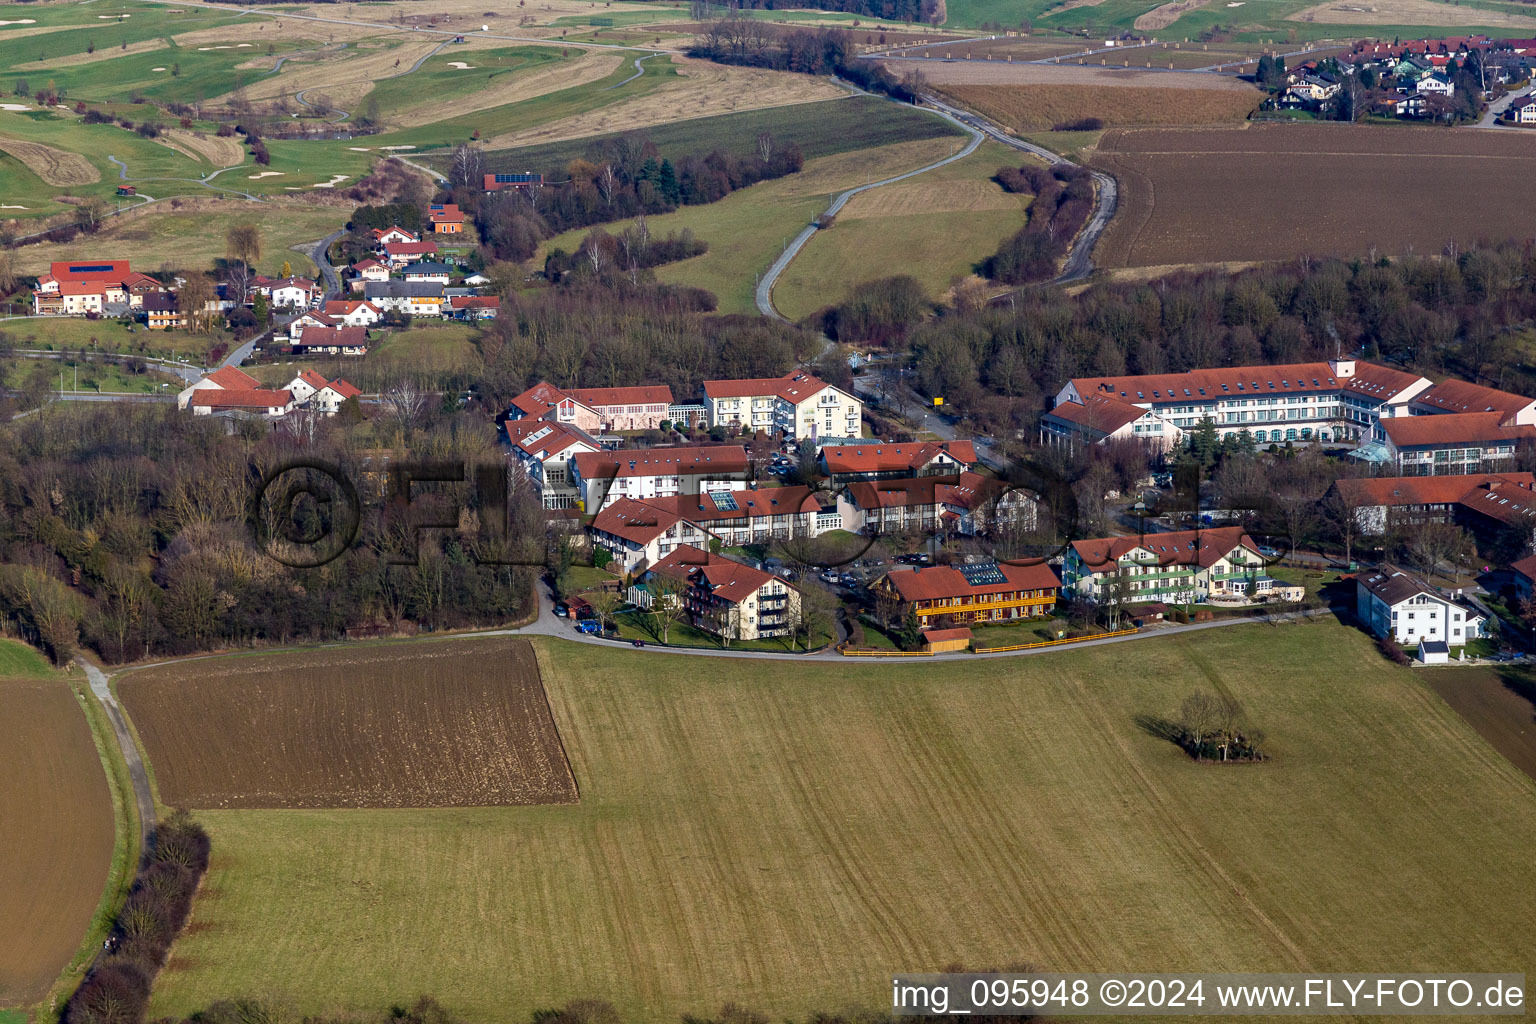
(1391,417)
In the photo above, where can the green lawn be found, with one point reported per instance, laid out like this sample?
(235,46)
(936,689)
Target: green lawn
(748,229)
(640,626)
(943,224)
(787,836)
(59,332)
(19,660)
(441,84)
(82,375)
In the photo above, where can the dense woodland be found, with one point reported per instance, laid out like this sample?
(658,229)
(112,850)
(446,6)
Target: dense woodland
(822,51)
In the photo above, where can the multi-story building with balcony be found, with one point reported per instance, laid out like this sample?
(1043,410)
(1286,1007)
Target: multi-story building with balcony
(723,597)
(977,592)
(1184,567)
(601,478)
(796,406)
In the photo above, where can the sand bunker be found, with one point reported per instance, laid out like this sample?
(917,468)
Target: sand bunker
(20,21)
(397,147)
(361,149)
(14,106)
(8,206)
(336,179)
(461,65)
(113,17)
(268,174)
(157,69)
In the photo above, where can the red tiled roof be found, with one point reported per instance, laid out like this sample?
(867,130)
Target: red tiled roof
(474,302)
(543,438)
(1239,381)
(313,379)
(344,389)
(393,229)
(1203,548)
(1525,567)
(539,399)
(98,287)
(341,337)
(750,504)
(232,378)
(1452,428)
(728,580)
(965,490)
(600,398)
(368,264)
(875,457)
(253,398)
(634,521)
(940,581)
(1098,412)
(794,387)
(344,307)
(939,636)
(447,213)
(1425,490)
(1463,396)
(410,248)
(713,459)
(99,271)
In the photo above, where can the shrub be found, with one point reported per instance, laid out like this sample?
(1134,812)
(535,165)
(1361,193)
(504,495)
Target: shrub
(1391,651)
(1081,124)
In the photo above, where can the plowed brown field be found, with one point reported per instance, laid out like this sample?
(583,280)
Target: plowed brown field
(55,834)
(1276,191)
(425,725)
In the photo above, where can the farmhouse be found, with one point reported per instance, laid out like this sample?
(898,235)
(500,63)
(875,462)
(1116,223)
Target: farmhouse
(225,378)
(639,534)
(726,598)
(605,477)
(965,503)
(1334,401)
(446,218)
(595,409)
(977,592)
(393,235)
(1183,567)
(1399,605)
(398,254)
(364,271)
(312,391)
(162,312)
(75,288)
(258,401)
(795,406)
(332,341)
(544,450)
(863,460)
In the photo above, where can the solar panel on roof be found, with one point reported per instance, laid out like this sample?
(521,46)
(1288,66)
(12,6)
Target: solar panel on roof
(982,574)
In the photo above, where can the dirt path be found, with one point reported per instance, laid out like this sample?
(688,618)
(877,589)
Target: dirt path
(131,755)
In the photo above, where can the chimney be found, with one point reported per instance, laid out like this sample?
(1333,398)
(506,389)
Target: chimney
(1342,367)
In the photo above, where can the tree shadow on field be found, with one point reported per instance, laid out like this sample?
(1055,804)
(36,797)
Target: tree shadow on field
(1160,728)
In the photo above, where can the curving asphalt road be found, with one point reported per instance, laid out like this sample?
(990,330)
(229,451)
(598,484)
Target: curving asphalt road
(764,296)
(639,70)
(320,253)
(206,180)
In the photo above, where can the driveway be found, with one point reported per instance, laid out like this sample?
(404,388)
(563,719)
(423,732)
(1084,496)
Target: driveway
(1500,105)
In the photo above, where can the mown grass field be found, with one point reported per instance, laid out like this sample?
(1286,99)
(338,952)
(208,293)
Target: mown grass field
(60,332)
(787,837)
(942,223)
(748,229)
(819,129)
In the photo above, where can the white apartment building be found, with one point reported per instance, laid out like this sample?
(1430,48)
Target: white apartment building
(601,478)
(796,406)
(1396,604)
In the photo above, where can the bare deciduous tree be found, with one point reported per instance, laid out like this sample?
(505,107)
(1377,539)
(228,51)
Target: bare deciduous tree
(243,242)
(406,402)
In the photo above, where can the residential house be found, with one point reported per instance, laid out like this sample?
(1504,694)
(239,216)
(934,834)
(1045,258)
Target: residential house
(162,312)
(1524,573)
(352,312)
(1398,605)
(1522,111)
(963,504)
(1312,90)
(312,391)
(71,298)
(796,406)
(545,449)
(312,318)
(595,409)
(1435,84)
(514,180)
(446,218)
(75,288)
(332,341)
(225,378)
(723,597)
(1336,401)
(399,254)
(876,460)
(433,273)
(474,307)
(289,292)
(393,235)
(606,476)
(976,592)
(637,534)
(1183,567)
(138,286)
(406,297)
(364,271)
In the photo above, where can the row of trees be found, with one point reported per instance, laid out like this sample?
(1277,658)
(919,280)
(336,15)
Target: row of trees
(1063,199)
(824,51)
(116,991)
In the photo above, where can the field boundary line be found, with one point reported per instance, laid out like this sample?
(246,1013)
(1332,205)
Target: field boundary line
(570,769)
(1054,643)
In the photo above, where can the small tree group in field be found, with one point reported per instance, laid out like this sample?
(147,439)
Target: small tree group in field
(1210,727)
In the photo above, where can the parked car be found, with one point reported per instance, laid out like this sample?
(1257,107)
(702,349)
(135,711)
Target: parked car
(588,626)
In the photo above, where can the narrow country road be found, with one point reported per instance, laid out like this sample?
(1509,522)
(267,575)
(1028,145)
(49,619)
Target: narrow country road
(764,296)
(320,253)
(639,70)
(131,756)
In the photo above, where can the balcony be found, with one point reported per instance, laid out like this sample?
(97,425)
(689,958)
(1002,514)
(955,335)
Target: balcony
(984,606)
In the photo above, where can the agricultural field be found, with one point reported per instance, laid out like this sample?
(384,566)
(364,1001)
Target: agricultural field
(192,237)
(1177,184)
(1024,108)
(461,724)
(787,839)
(1500,703)
(59,835)
(825,128)
(54,333)
(748,229)
(943,224)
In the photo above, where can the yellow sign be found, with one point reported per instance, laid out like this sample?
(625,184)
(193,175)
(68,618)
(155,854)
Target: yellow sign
(938,402)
